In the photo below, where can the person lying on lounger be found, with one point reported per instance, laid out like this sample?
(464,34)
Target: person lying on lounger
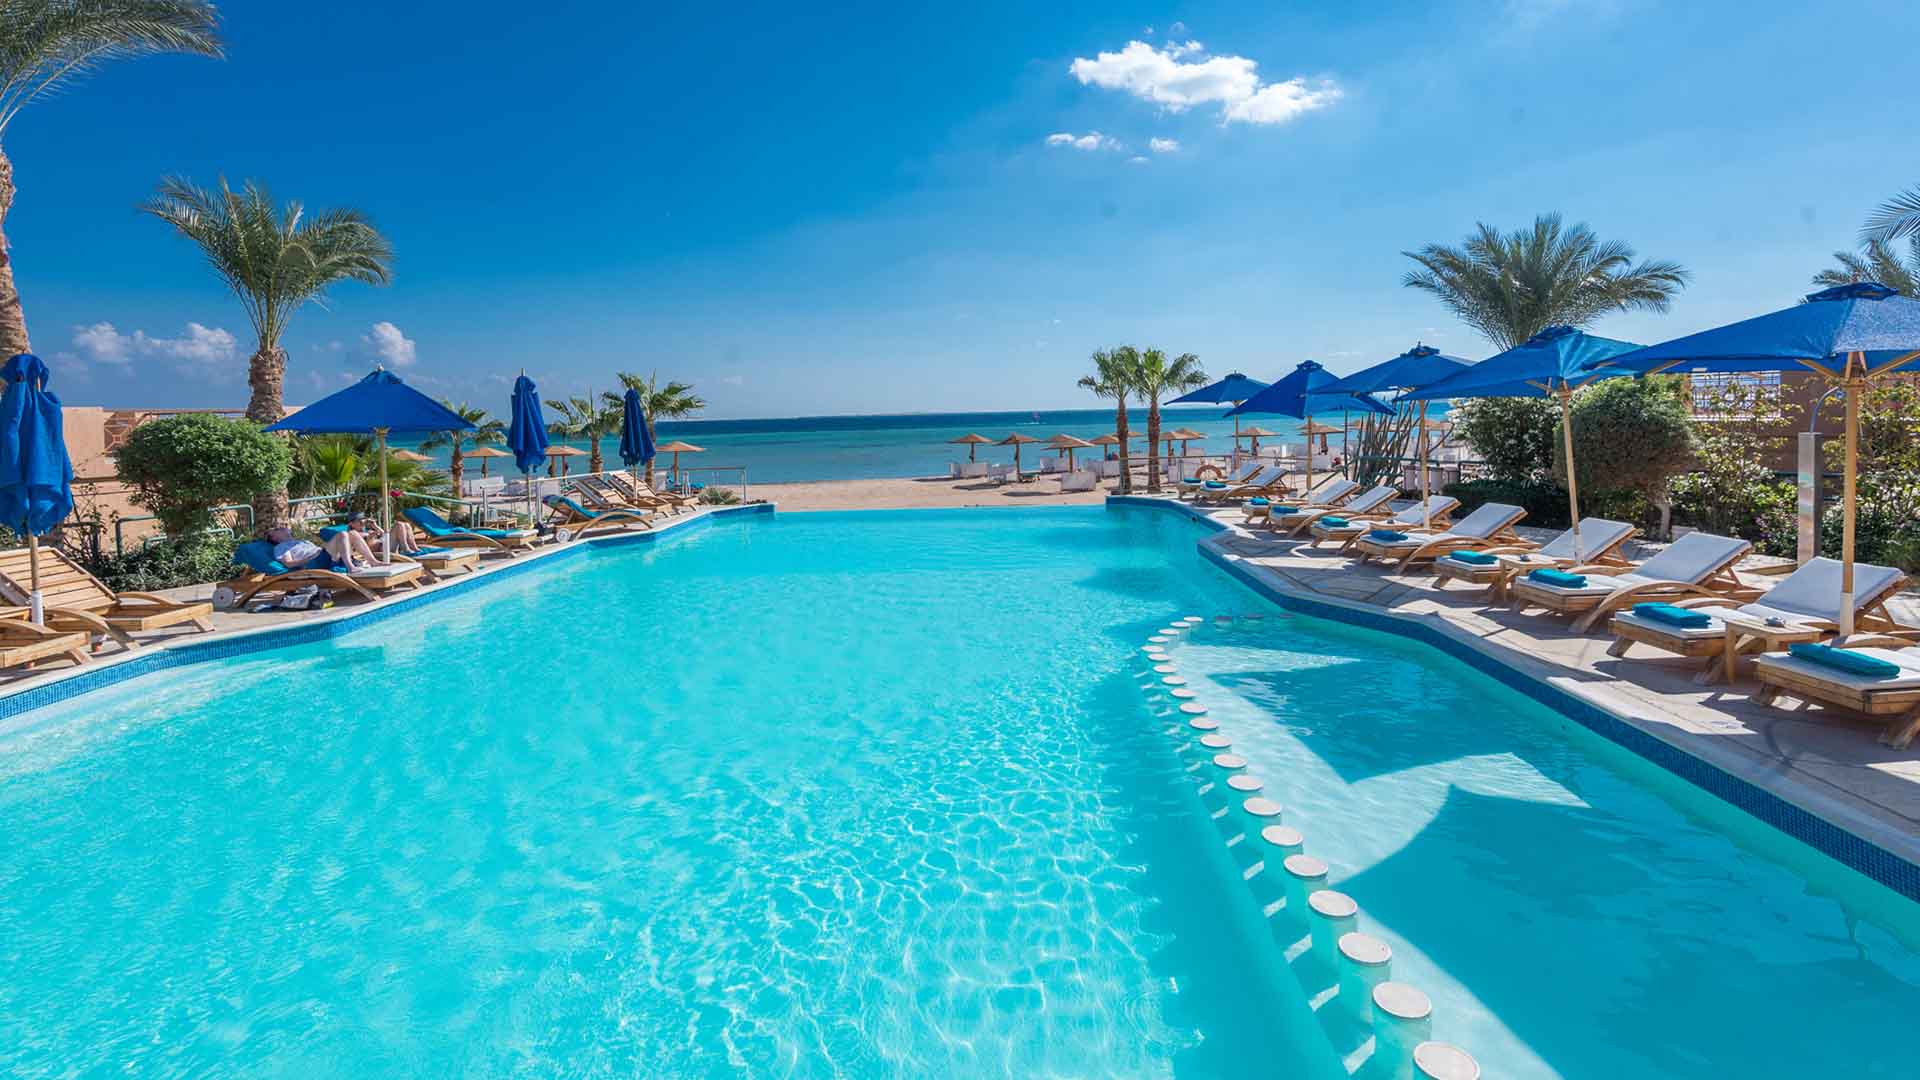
(404,539)
(346,548)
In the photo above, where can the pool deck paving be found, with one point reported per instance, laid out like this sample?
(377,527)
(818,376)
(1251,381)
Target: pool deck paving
(1824,761)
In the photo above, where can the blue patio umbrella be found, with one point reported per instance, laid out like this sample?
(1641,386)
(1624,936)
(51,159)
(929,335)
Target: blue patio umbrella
(1302,394)
(1849,335)
(527,433)
(636,442)
(1235,388)
(376,405)
(36,477)
(1552,363)
(1422,365)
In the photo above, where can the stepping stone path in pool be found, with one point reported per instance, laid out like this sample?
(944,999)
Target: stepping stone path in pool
(1285,837)
(1193,708)
(1181,692)
(1402,1002)
(1262,808)
(1151,649)
(1202,723)
(1444,1061)
(1244,782)
(1333,904)
(1173,680)
(1230,761)
(1365,949)
(1158,639)
(1165,669)
(1213,740)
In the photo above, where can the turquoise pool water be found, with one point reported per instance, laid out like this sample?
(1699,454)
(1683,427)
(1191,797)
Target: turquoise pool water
(822,795)
(1571,909)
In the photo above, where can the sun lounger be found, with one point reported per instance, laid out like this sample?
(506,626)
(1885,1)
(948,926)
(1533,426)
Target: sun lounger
(1193,485)
(1268,480)
(1439,514)
(75,600)
(1495,566)
(578,520)
(1331,492)
(1805,604)
(1892,691)
(1489,525)
(640,494)
(1697,564)
(22,644)
(1079,480)
(445,534)
(1368,504)
(264,573)
(438,561)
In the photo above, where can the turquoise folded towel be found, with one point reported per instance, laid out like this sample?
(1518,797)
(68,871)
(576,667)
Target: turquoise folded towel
(1284,510)
(1215,484)
(1332,522)
(1560,578)
(1477,558)
(1389,535)
(1673,615)
(1848,660)
(1256,501)
(1191,482)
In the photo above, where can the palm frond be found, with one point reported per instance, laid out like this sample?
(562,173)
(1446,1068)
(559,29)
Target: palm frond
(1897,217)
(46,45)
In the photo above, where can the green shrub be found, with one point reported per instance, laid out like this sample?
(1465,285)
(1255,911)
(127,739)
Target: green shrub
(1514,436)
(183,466)
(1545,504)
(165,564)
(1886,528)
(1631,437)
(719,496)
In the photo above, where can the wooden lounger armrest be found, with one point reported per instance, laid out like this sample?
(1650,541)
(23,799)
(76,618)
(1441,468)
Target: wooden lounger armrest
(1893,640)
(1773,571)
(1598,568)
(15,626)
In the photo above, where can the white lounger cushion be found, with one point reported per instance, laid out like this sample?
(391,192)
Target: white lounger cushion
(380,571)
(1908,659)
(1360,504)
(1689,560)
(1490,518)
(1437,505)
(1596,536)
(1810,596)
(1331,490)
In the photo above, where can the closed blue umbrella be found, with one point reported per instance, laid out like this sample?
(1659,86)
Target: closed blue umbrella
(1552,363)
(1849,335)
(1303,393)
(36,478)
(377,405)
(527,433)
(1422,365)
(636,442)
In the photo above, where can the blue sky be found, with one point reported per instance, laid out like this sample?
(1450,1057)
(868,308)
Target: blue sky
(875,209)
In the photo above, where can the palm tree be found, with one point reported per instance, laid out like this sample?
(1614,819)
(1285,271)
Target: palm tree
(1113,377)
(1153,376)
(582,418)
(1876,261)
(47,45)
(1897,217)
(275,260)
(1512,286)
(674,401)
(486,431)
(347,467)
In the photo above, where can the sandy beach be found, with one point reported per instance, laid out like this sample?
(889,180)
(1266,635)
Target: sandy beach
(921,492)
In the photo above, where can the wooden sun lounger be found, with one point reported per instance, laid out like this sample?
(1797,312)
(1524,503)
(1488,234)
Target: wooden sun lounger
(1439,515)
(367,585)
(1515,560)
(75,600)
(641,494)
(1490,524)
(1356,506)
(579,521)
(1895,699)
(1646,582)
(22,644)
(1331,492)
(510,542)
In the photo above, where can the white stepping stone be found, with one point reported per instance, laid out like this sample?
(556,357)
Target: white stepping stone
(1215,741)
(1193,708)
(1333,904)
(1283,836)
(1444,1061)
(1261,807)
(1201,723)
(1364,949)
(1181,692)
(1173,680)
(1244,783)
(1230,761)
(1402,1002)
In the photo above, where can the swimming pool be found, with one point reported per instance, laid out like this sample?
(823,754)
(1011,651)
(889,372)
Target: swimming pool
(867,794)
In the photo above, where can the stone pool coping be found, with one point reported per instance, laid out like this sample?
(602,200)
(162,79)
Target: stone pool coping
(41,690)
(1794,787)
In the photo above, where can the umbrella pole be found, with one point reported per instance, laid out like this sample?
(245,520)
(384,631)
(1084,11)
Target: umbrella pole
(386,507)
(1426,492)
(1573,486)
(36,604)
(1854,385)
(1309,489)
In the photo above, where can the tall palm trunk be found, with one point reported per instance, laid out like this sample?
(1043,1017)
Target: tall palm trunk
(457,466)
(595,463)
(655,440)
(267,378)
(1120,432)
(13,319)
(1153,444)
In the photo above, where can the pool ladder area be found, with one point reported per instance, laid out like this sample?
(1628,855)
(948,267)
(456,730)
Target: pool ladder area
(1382,1029)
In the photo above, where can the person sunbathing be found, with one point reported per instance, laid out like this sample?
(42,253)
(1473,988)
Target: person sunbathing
(405,541)
(346,548)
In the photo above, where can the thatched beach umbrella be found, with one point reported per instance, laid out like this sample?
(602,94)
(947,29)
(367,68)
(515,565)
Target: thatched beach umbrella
(1017,440)
(676,448)
(1067,444)
(1255,433)
(409,455)
(973,442)
(485,452)
(559,452)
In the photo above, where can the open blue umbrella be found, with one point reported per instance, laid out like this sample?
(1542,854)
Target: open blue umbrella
(1552,363)
(1302,394)
(1849,335)
(36,478)
(636,442)
(527,434)
(1235,388)
(376,405)
(1422,365)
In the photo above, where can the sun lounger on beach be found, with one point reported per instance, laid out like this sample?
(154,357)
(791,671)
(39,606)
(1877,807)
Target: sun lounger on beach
(1697,564)
(1878,675)
(264,573)
(1368,504)
(1805,604)
(1079,480)
(429,521)
(640,494)
(74,600)
(1495,566)
(1489,525)
(578,520)
(1438,514)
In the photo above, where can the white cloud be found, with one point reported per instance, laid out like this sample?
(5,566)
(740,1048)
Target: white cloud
(394,348)
(1181,76)
(1092,140)
(199,347)
(1136,160)
(1164,146)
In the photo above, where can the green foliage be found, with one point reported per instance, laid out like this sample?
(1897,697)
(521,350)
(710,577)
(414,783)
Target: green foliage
(183,466)
(1897,217)
(46,45)
(1631,437)
(1876,261)
(719,496)
(1513,436)
(1545,503)
(1113,378)
(348,467)
(1511,286)
(1886,528)
(167,564)
(1739,426)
